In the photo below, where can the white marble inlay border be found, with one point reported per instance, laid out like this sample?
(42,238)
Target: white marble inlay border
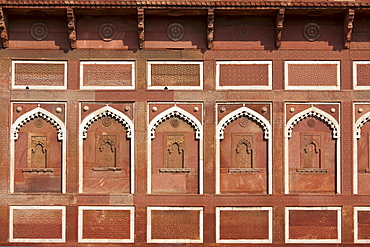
(37,240)
(315,87)
(149,76)
(260,241)
(309,241)
(14,86)
(81,209)
(149,225)
(256,87)
(82,86)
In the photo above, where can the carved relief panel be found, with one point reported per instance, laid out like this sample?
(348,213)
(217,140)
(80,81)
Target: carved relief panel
(175,155)
(106,146)
(362,149)
(243,148)
(37,151)
(312,133)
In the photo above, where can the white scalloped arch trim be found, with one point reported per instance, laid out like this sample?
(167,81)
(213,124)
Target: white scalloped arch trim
(106,111)
(243,112)
(313,112)
(360,122)
(178,112)
(35,113)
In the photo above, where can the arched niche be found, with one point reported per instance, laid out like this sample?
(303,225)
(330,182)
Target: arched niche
(361,179)
(243,153)
(175,153)
(38,153)
(312,153)
(106,152)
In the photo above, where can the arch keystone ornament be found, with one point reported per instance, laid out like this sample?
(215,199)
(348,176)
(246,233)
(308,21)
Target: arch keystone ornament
(313,165)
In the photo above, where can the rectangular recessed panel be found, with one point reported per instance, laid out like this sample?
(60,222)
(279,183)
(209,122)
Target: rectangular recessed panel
(313,75)
(361,74)
(39,74)
(179,75)
(107,74)
(37,224)
(313,225)
(104,224)
(252,224)
(363,224)
(175,225)
(242,74)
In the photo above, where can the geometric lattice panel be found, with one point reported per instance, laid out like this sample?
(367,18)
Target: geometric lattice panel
(104,224)
(39,74)
(244,75)
(38,224)
(313,224)
(254,224)
(175,225)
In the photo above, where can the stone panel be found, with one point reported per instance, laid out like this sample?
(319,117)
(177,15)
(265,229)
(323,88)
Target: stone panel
(39,73)
(308,74)
(253,225)
(37,224)
(175,224)
(313,225)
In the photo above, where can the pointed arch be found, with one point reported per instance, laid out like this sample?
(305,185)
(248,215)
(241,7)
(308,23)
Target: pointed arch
(178,112)
(106,111)
(35,113)
(243,112)
(313,112)
(361,122)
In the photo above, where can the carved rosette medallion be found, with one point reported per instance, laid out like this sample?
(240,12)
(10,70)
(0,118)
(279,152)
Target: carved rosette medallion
(106,122)
(38,123)
(311,122)
(242,32)
(175,122)
(107,31)
(175,31)
(243,122)
(311,31)
(39,31)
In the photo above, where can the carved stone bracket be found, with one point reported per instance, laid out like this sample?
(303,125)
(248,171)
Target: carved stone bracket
(348,27)
(71,27)
(3,28)
(210,27)
(140,27)
(279,26)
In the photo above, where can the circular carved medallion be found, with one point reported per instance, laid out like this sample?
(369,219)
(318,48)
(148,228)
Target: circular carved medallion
(311,122)
(107,159)
(106,122)
(39,31)
(242,32)
(311,31)
(175,122)
(175,31)
(243,122)
(39,122)
(107,31)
